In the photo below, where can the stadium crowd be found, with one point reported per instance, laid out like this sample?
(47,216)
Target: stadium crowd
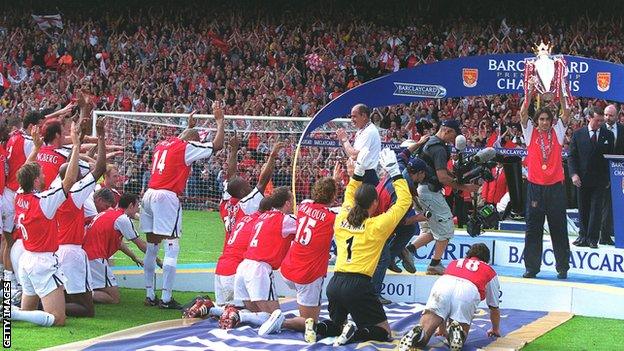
(237,62)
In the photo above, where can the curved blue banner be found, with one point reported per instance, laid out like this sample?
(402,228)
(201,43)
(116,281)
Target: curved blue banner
(471,76)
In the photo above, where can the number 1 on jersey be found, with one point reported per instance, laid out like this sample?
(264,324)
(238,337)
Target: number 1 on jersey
(349,245)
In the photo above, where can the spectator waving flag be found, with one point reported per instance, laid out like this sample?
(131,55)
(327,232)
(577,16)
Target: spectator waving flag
(48,21)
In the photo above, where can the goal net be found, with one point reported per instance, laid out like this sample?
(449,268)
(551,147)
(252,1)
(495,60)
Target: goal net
(139,132)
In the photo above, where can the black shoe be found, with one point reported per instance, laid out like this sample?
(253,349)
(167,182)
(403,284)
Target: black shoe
(393,267)
(593,245)
(581,243)
(528,274)
(151,302)
(384,301)
(607,241)
(562,275)
(577,241)
(170,305)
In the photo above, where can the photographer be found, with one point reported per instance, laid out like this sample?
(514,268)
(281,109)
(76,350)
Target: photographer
(413,170)
(439,226)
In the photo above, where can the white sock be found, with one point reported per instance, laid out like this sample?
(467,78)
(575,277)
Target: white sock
(149,269)
(254,318)
(41,318)
(171,248)
(216,311)
(1,271)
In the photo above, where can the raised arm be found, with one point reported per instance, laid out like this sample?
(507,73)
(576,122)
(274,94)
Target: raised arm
(565,114)
(232,157)
(100,163)
(217,142)
(62,112)
(37,142)
(356,179)
(267,170)
(524,109)
(71,174)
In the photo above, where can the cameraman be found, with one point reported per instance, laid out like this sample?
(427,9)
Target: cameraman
(439,226)
(413,170)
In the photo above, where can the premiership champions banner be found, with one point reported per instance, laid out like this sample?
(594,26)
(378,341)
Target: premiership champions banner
(471,76)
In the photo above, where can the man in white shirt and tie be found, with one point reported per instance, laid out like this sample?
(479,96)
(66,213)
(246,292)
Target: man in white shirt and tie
(367,139)
(606,228)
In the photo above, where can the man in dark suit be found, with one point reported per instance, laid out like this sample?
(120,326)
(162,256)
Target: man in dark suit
(589,170)
(606,230)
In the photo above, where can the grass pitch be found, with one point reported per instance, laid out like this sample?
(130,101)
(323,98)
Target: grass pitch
(202,241)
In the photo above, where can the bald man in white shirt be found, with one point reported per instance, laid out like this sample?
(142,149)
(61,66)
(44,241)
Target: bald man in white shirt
(366,138)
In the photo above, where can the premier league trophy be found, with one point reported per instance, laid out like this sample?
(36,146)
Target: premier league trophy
(548,74)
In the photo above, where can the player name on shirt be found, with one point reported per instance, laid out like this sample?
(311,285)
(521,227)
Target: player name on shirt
(48,158)
(345,224)
(313,212)
(23,203)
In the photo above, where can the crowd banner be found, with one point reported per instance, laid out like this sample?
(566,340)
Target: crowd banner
(471,76)
(314,142)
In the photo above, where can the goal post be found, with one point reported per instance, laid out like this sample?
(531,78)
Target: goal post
(139,132)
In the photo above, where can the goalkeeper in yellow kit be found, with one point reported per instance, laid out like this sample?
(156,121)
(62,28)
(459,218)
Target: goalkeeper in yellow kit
(360,239)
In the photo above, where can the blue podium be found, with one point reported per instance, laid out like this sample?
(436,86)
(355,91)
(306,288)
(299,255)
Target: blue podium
(616,171)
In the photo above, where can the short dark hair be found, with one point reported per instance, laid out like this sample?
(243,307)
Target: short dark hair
(52,128)
(480,251)
(127,199)
(265,204)
(105,194)
(32,118)
(280,196)
(597,110)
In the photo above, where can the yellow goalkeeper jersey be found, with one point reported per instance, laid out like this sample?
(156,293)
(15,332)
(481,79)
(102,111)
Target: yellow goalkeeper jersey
(359,248)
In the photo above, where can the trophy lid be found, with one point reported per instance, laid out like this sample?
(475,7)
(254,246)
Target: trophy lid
(543,49)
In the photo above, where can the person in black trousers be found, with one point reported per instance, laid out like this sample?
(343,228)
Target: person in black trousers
(606,229)
(590,174)
(546,197)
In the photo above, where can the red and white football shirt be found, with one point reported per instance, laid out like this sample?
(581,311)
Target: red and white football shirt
(3,167)
(34,215)
(480,274)
(235,245)
(70,216)
(272,235)
(232,210)
(308,255)
(18,147)
(50,161)
(103,235)
(172,163)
